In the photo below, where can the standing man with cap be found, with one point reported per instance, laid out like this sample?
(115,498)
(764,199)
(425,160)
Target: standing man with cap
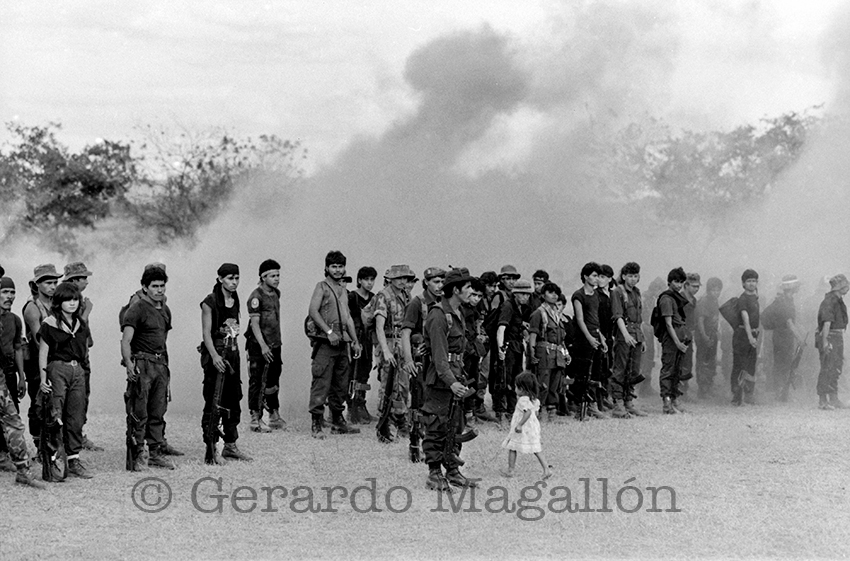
(10,420)
(781,314)
(330,356)
(412,346)
(37,308)
(510,345)
(745,340)
(629,340)
(445,381)
(145,326)
(390,304)
(220,357)
(78,274)
(11,358)
(832,322)
(264,348)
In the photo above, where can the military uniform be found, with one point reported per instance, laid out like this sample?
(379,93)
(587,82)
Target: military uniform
(744,355)
(784,343)
(264,304)
(672,304)
(626,304)
(11,337)
(706,354)
(833,310)
(391,303)
(550,352)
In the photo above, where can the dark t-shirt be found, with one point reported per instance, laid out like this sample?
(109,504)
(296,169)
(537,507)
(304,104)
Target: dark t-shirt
(833,310)
(150,327)
(589,307)
(670,306)
(65,346)
(266,306)
(510,315)
(708,308)
(413,318)
(606,322)
(356,303)
(11,339)
(226,318)
(750,304)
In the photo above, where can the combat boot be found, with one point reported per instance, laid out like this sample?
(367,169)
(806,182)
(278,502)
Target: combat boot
(668,408)
(339,425)
(593,411)
(415,451)
(437,481)
(276,422)
(169,450)
(26,477)
(824,404)
(89,445)
(160,460)
(77,469)
(835,402)
(619,411)
(140,460)
(231,451)
(634,411)
(365,417)
(6,463)
(677,406)
(354,413)
(257,424)
(316,429)
(456,478)
(402,426)
(482,414)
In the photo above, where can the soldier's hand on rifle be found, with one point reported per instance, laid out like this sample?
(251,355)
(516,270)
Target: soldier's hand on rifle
(389,357)
(22,386)
(267,352)
(631,341)
(358,350)
(132,374)
(46,387)
(683,348)
(754,342)
(501,353)
(218,362)
(410,367)
(458,389)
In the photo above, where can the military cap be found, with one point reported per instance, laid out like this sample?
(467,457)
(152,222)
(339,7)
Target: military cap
(457,276)
(400,272)
(76,269)
(42,272)
(509,271)
(6,282)
(433,273)
(523,287)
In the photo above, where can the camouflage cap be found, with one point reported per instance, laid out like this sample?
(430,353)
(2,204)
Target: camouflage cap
(433,273)
(400,272)
(42,272)
(509,271)
(76,269)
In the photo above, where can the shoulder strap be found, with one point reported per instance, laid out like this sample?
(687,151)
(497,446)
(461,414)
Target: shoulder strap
(336,298)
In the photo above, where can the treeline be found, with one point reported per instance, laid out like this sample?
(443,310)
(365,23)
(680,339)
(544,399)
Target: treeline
(167,185)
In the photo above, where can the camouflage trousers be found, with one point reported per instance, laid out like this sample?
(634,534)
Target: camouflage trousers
(13,427)
(400,392)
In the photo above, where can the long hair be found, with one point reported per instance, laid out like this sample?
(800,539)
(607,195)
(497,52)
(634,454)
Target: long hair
(527,382)
(65,292)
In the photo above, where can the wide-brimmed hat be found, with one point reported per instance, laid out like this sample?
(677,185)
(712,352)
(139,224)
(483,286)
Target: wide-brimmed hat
(46,271)
(76,269)
(838,282)
(509,271)
(400,272)
(523,287)
(457,276)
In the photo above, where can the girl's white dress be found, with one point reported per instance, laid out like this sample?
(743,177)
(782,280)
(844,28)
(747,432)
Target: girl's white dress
(529,441)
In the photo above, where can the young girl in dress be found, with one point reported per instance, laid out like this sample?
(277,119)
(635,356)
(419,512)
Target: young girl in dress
(524,435)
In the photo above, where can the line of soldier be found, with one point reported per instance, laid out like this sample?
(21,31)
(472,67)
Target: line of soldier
(503,325)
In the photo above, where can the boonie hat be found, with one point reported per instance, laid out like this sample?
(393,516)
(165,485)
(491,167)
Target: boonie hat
(400,272)
(838,282)
(523,287)
(42,272)
(76,269)
(509,271)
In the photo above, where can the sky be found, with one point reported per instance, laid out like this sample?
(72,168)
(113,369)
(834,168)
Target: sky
(328,72)
(439,133)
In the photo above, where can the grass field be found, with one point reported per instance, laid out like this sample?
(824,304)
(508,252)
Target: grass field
(763,481)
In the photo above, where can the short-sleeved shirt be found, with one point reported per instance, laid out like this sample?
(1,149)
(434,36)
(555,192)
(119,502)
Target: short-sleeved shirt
(64,344)
(391,304)
(589,308)
(11,338)
(150,326)
(750,304)
(546,324)
(672,305)
(785,310)
(356,303)
(708,308)
(833,310)
(690,313)
(413,316)
(266,306)
(627,304)
(606,323)
(510,315)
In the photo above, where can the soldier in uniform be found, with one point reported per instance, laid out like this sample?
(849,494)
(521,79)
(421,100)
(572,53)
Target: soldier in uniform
(220,356)
(707,336)
(390,305)
(445,381)
(785,334)
(745,340)
(361,368)
(11,359)
(547,350)
(488,308)
(78,274)
(647,363)
(146,324)
(689,291)
(629,340)
(36,309)
(590,346)
(674,343)
(832,322)
(10,420)
(411,342)
(539,278)
(264,347)
(510,345)
(330,355)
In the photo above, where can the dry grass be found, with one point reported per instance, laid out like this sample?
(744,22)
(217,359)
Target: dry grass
(762,481)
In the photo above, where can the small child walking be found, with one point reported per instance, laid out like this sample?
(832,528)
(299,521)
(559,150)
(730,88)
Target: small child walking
(524,434)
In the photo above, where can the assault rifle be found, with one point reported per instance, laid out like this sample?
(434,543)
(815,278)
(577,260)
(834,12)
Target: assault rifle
(793,378)
(132,422)
(455,425)
(385,407)
(51,448)
(214,431)
(589,387)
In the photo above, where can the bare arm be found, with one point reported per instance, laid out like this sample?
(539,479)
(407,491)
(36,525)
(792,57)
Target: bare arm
(206,332)
(43,351)
(32,319)
(746,317)
(668,321)
(525,416)
(127,353)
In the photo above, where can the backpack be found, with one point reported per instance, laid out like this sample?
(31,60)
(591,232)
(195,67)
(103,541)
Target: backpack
(656,320)
(771,317)
(729,311)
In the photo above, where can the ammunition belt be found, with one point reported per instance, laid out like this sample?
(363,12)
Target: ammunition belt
(159,358)
(454,357)
(548,346)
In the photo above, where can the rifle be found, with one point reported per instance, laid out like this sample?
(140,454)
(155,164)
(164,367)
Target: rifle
(416,399)
(214,432)
(455,425)
(795,363)
(132,422)
(386,405)
(262,400)
(51,449)
(588,395)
